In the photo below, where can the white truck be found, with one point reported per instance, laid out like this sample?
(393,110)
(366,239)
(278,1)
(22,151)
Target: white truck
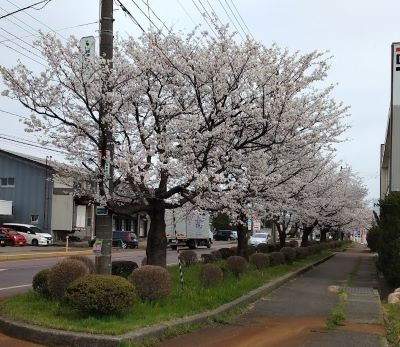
(187,228)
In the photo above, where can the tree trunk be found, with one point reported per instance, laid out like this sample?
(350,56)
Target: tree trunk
(242,240)
(307,230)
(324,231)
(156,251)
(281,234)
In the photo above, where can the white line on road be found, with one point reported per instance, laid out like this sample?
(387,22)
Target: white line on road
(14,287)
(3,269)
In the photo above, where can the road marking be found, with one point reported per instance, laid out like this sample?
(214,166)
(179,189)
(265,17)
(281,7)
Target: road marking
(3,269)
(14,287)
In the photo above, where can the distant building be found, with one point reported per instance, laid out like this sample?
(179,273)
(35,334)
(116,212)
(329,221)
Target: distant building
(29,187)
(390,150)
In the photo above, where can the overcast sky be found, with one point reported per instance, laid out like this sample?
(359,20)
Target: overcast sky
(358,34)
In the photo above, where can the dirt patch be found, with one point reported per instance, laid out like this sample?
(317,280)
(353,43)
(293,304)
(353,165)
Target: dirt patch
(264,332)
(375,329)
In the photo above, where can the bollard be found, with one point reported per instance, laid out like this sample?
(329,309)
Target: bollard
(66,245)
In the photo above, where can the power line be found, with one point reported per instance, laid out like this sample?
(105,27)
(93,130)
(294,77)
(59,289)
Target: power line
(27,7)
(6,137)
(230,19)
(144,13)
(37,20)
(242,19)
(205,18)
(161,21)
(240,25)
(124,9)
(13,114)
(187,13)
(15,50)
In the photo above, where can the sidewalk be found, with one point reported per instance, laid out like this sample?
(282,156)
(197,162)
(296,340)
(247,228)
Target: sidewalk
(295,315)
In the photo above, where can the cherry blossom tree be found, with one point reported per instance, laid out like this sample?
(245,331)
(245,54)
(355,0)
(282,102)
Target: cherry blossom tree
(185,118)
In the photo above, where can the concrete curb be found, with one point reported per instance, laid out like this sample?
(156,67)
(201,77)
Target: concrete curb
(43,255)
(53,337)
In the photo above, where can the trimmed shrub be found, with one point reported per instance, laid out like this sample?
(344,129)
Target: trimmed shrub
(251,250)
(301,252)
(263,248)
(211,275)
(259,260)
(100,294)
(236,264)
(276,258)
(39,283)
(226,252)
(289,253)
(208,258)
(61,275)
(86,260)
(293,243)
(123,268)
(373,237)
(151,282)
(188,257)
(217,254)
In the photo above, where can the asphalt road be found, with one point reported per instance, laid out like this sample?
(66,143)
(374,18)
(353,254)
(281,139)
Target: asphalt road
(16,275)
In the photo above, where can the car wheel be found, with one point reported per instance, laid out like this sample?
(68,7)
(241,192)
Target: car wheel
(35,242)
(208,244)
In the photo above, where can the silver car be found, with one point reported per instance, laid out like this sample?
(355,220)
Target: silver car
(258,238)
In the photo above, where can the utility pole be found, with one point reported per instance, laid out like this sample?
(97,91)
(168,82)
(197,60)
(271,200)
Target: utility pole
(106,148)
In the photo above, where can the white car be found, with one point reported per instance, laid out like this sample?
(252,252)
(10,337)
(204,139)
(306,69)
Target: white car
(34,236)
(258,238)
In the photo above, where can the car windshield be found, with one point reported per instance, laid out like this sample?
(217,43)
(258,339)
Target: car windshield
(36,230)
(260,236)
(13,232)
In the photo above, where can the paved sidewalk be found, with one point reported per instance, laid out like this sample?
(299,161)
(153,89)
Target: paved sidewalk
(295,315)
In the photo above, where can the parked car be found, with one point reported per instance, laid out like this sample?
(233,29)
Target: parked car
(16,239)
(34,236)
(123,239)
(225,235)
(258,238)
(4,240)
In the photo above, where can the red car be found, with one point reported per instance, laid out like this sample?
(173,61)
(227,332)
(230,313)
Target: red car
(15,238)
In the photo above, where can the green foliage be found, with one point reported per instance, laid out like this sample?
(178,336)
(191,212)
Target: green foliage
(263,248)
(389,244)
(221,221)
(276,258)
(61,275)
(208,258)
(251,250)
(217,254)
(373,237)
(226,252)
(123,268)
(392,313)
(188,257)
(301,252)
(236,264)
(259,260)
(211,275)
(100,294)
(85,260)
(151,282)
(39,283)
(289,253)
(293,243)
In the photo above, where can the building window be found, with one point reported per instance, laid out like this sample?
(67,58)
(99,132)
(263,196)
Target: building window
(7,182)
(34,218)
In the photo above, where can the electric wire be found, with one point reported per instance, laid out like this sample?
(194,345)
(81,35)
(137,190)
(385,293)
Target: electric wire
(13,114)
(187,13)
(229,18)
(237,21)
(155,15)
(204,18)
(237,11)
(23,54)
(144,13)
(16,140)
(124,9)
(25,8)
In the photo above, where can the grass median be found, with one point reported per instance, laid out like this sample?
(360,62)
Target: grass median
(193,298)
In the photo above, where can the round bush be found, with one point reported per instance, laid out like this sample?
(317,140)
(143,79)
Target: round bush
(226,252)
(263,248)
(301,252)
(259,260)
(86,260)
(276,258)
(236,264)
(289,253)
(251,250)
(39,283)
(123,268)
(62,274)
(217,254)
(100,294)
(211,274)
(151,282)
(188,257)
(208,258)
(293,243)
